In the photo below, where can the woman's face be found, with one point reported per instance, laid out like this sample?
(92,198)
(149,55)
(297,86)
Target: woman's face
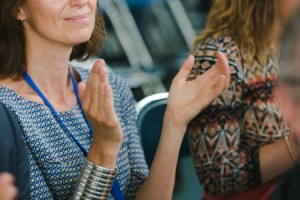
(288,7)
(68,22)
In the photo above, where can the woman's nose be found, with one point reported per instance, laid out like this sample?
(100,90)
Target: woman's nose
(78,3)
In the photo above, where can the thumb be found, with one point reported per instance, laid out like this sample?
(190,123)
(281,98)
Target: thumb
(220,85)
(81,89)
(186,68)
(222,64)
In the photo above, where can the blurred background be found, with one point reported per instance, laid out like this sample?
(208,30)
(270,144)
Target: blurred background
(147,42)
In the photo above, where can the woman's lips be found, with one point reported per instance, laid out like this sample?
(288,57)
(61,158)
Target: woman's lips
(78,18)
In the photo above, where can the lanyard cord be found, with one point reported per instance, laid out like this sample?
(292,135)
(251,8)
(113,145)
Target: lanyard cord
(116,190)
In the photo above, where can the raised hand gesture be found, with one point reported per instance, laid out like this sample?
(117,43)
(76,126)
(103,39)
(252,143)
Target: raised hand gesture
(98,105)
(188,98)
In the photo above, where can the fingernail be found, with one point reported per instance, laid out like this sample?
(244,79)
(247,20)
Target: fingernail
(102,62)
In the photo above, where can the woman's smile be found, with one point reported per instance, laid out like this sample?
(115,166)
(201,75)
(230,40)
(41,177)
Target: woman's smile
(84,18)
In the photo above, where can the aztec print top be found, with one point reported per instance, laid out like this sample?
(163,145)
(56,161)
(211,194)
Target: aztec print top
(225,138)
(56,160)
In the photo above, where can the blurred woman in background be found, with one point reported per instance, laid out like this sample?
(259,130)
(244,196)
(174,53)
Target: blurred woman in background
(238,142)
(288,98)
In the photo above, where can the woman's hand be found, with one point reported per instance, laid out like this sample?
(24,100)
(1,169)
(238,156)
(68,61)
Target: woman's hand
(98,105)
(188,98)
(7,190)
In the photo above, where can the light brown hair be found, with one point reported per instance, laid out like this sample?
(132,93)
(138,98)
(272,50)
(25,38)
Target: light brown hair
(253,24)
(12,41)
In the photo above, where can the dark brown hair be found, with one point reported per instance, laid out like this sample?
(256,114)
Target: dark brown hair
(12,41)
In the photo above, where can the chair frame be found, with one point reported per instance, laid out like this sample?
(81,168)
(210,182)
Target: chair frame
(142,106)
(150,99)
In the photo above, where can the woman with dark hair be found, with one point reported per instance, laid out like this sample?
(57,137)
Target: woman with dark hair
(48,97)
(240,143)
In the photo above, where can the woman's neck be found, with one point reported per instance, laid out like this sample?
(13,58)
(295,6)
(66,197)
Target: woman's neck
(50,74)
(47,65)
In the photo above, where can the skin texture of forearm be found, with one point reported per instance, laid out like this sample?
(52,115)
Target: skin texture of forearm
(107,159)
(275,160)
(160,182)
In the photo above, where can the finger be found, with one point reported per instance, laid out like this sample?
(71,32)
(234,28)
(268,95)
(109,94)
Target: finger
(95,87)
(186,68)
(101,92)
(87,92)
(223,67)
(10,193)
(81,89)
(222,63)
(103,74)
(219,86)
(220,68)
(6,178)
(109,102)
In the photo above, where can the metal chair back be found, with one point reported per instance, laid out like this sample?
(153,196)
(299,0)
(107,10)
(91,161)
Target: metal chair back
(150,121)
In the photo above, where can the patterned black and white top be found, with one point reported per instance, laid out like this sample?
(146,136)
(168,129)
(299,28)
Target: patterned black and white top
(56,160)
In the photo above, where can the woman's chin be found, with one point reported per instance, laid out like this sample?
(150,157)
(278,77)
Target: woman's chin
(80,40)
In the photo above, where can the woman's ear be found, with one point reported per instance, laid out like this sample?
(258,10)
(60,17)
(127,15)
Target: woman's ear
(21,14)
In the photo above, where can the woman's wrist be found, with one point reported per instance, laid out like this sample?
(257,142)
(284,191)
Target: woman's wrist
(104,155)
(171,122)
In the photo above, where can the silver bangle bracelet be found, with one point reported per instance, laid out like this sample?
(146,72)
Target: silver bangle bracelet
(98,174)
(101,169)
(94,182)
(93,190)
(97,178)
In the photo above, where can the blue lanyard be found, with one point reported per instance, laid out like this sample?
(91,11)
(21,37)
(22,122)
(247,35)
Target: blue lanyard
(116,190)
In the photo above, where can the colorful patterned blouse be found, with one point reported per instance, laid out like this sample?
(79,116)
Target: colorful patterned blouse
(56,160)
(226,136)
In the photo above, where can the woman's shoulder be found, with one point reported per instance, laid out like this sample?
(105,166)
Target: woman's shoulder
(4,112)
(9,97)
(206,50)
(225,44)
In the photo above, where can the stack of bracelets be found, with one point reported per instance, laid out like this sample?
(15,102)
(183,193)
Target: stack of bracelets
(94,182)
